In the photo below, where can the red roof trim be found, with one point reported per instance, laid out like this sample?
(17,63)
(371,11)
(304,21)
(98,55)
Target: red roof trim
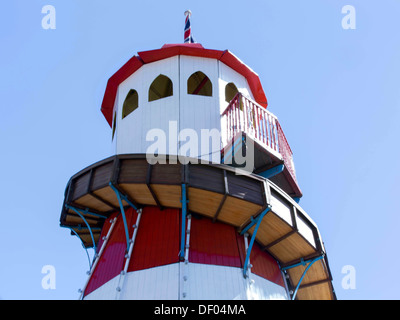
(187,49)
(171,50)
(252,78)
(110,94)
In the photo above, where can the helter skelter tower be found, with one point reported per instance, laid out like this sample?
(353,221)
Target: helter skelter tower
(176,213)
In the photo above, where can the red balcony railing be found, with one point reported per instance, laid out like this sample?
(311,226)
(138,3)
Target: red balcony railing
(245,115)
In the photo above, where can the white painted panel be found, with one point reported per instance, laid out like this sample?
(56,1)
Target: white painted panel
(281,209)
(262,289)
(149,115)
(227,283)
(214,282)
(159,283)
(129,137)
(106,292)
(305,231)
(226,75)
(192,281)
(200,112)
(160,113)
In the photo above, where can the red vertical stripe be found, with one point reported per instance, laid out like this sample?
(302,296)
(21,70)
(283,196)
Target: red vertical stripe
(112,260)
(157,243)
(157,239)
(213,243)
(263,264)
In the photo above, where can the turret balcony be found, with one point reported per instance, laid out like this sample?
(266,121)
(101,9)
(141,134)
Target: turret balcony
(250,128)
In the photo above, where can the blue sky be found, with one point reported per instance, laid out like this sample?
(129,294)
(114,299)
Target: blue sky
(335,92)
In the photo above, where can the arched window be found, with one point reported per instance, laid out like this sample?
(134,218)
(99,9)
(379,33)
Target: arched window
(230,91)
(131,103)
(199,84)
(160,88)
(114,125)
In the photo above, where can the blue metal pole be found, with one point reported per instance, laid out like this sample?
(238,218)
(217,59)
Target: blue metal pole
(123,215)
(272,172)
(183,231)
(304,273)
(297,199)
(301,263)
(86,211)
(87,224)
(253,222)
(258,221)
(123,197)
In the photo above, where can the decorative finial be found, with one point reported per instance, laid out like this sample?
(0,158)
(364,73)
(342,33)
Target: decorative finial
(188,13)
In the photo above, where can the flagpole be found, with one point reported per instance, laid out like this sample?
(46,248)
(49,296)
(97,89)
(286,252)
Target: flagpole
(188,31)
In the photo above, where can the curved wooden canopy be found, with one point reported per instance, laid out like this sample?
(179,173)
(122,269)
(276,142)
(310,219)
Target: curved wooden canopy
(214,191)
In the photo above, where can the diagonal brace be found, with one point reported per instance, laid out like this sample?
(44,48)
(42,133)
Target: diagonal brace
(80,214)
(304,273)
(86,211)
(254,220)
(123,196)
(257,222)
(184,202)
(272,172)
(120,197)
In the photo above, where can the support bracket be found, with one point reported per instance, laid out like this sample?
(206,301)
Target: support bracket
(80,213)
(128,256)
(97,256)
(120,197)
(184,202)
(257,222)
(272,172)
(303,263)
(85,211)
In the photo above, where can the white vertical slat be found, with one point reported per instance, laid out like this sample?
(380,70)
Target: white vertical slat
(200,112)
(98,255)
(305,230)
(149,115)
(159,113)
(281,209)
(183,266)
(129,139)
(128,258)
(226,75)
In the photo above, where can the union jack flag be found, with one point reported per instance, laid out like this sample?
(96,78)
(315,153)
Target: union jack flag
(188,38)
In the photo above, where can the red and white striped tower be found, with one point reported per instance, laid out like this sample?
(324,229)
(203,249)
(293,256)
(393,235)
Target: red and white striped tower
(170,215)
